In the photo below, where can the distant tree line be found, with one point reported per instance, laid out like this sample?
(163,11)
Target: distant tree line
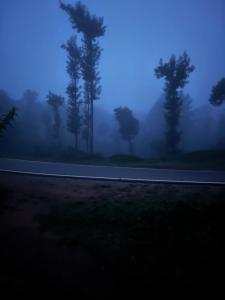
(82,63)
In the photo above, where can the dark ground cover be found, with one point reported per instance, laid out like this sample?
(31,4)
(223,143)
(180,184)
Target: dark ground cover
(197,160)
(102,239)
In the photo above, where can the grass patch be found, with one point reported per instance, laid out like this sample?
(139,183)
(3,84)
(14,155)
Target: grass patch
(5,193)
(160,236)
(142,239)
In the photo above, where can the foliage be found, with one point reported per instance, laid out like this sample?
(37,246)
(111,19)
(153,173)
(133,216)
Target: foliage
(55,102)
(30,97)
(73,89)
(83,21)
(218,93)
(124,158)
(175,73)
(128,125)
(6,120)
(6,102)
(91,27)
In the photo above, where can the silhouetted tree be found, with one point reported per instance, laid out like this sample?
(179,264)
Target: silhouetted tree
(187,123)
(220,129)
(91,27)
(176,73)
(30,98)
(7,111)
(74,88)
(85,128)
(6,120)
(6,102)
(128,125)
(55,102)
(218,93)
(29,117)
(217,98)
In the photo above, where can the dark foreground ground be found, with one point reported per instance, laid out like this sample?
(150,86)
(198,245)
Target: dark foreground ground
(94,239)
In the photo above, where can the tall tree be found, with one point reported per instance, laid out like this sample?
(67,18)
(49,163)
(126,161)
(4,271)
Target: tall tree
(6,102)
(74,88)
(176,73)
(55,102)
(187,124)
(91,27)
(217,98)
(6,120)
(30,97)
(7,111)
(218,93)
(128,125)
(85,127)
(30,117)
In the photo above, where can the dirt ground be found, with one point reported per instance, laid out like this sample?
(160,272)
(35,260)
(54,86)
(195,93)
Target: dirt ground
(34,260)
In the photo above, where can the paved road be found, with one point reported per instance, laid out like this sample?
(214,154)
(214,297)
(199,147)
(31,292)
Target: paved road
(112,173)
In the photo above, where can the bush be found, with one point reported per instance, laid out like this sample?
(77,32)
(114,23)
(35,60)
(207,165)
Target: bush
(125,158)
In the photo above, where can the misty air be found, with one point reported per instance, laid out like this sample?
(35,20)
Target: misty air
(112,148)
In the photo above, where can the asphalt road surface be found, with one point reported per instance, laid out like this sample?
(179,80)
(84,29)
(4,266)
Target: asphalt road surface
(111,173)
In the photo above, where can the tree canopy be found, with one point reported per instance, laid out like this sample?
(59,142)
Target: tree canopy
(128,125)
(6,120)
(82,21)
(55,102)
(176,73)
(217,96)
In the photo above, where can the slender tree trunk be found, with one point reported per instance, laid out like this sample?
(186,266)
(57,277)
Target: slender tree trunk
(91,103)
(88,129)
(56,127)
(92,128)
(131,147)
(87,145)
(77,129)
(91,100)
(172,115)
(90,88)
(76,141)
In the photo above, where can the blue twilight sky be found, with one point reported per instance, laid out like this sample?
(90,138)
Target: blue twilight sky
(139,33)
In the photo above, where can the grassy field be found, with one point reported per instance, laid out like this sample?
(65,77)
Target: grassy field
(97,239)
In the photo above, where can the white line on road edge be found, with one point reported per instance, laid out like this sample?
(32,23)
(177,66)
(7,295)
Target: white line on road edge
(117,179)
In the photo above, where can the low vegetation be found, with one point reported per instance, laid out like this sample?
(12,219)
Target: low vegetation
(137,238)
(198,160)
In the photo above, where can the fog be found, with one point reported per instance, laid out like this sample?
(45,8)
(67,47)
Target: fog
(137,35)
